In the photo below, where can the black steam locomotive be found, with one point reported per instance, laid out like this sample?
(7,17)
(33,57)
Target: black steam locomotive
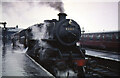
(56,50)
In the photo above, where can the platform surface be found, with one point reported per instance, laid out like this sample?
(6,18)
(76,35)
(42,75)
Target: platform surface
(16,63)
(105,55)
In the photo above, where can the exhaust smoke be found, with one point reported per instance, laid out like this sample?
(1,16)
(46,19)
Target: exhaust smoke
(56,5)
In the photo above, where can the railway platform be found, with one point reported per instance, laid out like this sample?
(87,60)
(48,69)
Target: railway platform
(105,55)
(16,64)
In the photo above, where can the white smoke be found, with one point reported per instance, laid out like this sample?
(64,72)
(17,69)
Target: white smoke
(39,32)
(19,48)
(26,13)
(56,5)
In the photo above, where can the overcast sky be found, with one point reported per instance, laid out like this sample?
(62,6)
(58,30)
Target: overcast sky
(94,16)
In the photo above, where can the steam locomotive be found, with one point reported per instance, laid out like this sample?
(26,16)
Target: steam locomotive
(56,48)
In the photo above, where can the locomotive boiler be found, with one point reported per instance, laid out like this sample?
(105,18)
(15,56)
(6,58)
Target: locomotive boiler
(57,50)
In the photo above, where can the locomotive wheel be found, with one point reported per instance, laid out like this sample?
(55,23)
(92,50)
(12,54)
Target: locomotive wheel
(64,74)
(81,73)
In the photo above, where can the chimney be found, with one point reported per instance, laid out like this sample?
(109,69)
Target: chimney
(62,16)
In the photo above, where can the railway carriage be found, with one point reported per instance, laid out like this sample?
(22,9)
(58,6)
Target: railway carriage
(101,40)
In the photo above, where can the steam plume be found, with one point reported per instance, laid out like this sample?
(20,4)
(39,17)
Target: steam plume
(56,5)
(38,32)
(29,10)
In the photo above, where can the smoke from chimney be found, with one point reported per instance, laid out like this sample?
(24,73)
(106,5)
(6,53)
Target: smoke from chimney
(29,10)
(56,5)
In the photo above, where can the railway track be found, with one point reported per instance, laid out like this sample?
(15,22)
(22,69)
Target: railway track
(102,67)
(101,71)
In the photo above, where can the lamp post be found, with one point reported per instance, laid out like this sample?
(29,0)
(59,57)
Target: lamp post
(82,40)
(83,30)
(4,32)
(4,24)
